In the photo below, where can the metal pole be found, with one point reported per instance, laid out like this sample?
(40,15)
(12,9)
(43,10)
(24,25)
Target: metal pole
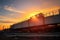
(59,11)
(28,23)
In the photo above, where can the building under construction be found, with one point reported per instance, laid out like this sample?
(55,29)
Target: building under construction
(38,27)
(39,22)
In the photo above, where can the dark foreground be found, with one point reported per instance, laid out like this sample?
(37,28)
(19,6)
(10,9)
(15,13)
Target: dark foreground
(52,33)
(30,36)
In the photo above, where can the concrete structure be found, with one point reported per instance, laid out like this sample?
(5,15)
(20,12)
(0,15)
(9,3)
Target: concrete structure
(39,20)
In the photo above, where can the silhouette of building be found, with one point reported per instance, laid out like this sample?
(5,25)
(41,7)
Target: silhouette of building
(40,20)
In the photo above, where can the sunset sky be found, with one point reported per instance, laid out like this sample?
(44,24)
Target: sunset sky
(13,11)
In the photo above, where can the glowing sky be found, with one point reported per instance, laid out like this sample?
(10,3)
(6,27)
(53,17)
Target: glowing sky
(13,11)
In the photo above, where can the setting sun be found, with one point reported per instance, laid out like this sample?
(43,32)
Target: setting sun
(12,12)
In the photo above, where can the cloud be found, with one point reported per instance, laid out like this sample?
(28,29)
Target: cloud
(2,16)
(12,9)
(2,21)
(6,19)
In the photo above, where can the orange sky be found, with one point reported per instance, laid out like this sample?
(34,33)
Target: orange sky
(29,13)
(14,11)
